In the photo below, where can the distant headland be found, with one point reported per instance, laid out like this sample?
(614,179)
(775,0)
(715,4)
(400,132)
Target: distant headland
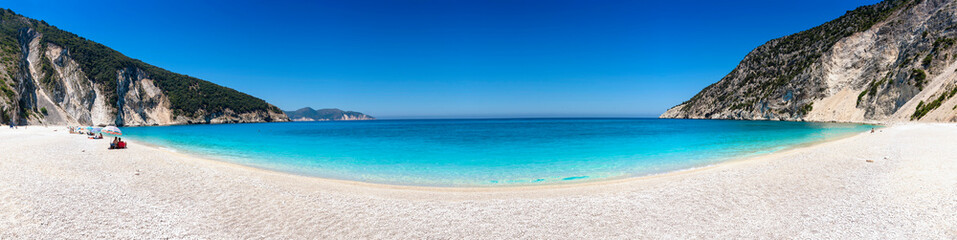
(325,114)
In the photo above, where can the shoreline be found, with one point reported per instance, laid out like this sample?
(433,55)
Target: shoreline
(516,187)
(57,185)
(519,186)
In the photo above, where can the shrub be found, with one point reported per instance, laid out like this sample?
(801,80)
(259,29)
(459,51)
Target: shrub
(806,108)
(7,92)
(861,96)
(919,77)
(923,109)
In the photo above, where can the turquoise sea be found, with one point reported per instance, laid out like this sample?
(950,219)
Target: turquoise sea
(488,152)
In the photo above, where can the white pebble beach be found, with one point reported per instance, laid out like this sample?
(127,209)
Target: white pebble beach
(59,185)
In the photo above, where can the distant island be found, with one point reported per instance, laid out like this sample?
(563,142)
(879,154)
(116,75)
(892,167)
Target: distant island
(326,114)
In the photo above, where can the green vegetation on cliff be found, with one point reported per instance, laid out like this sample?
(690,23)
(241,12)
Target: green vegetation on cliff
(9,94)
(919,77)
(923,109)
(871,90)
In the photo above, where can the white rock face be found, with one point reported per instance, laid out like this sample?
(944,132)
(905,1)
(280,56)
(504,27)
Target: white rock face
(355,118)
(77,93)
(101,112)
(142,102)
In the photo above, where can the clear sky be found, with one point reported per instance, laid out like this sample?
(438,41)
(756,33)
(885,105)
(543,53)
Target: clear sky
(446,58)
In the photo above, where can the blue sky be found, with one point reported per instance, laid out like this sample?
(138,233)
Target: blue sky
(442,58)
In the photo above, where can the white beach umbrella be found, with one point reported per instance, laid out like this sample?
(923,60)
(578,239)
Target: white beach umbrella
(112,130)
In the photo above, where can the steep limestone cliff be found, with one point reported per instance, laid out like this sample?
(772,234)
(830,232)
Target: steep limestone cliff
(49,76)
(888,62)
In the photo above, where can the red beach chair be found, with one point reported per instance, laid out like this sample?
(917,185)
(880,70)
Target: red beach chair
(118,145)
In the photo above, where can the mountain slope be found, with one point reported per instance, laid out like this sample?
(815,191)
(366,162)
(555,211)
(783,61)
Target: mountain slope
(51,76)
(327,114)
(887,62)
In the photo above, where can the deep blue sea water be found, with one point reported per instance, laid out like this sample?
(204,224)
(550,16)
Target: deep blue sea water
(488,152)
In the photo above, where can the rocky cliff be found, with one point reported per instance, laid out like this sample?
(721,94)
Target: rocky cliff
(887,62)
(326,114)
(50,76)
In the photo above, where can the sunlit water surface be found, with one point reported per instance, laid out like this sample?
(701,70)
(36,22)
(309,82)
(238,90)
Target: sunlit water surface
(481,153)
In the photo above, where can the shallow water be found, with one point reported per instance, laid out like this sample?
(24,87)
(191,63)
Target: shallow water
(492,152)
